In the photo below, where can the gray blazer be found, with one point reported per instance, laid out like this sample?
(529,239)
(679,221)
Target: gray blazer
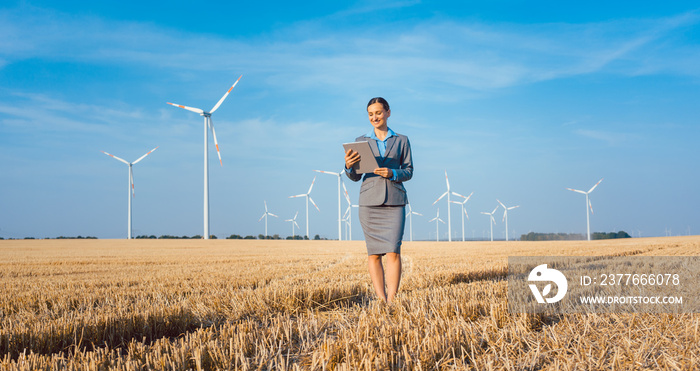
(377,190)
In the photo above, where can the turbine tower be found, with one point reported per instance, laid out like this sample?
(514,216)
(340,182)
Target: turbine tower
(588,205)
(409,215)
(308,198)
(464,211)
(449,219)
(505,215)
(437,221)
(492,221)
(208,123)
(265,215)
(340,236)
(131,184)
(294,222)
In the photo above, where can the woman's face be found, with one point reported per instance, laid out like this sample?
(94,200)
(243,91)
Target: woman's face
(378,116)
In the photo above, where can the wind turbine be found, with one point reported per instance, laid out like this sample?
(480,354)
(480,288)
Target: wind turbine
(409,215)
(505,215)
(449,219)
(588,205)
(340,237)
(437,221)
(492,221)
(265,216)
(294,222)
(348,214)
(131,183)
(464,211)
(208,123)
(308,198)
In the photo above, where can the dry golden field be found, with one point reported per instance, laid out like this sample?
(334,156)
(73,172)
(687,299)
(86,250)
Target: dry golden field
(249,304)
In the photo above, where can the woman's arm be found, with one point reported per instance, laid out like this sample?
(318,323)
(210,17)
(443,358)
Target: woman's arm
(405,171)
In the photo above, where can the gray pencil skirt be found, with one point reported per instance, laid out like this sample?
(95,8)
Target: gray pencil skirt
(383,227)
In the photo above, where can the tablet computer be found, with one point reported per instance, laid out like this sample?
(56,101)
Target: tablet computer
(367,162)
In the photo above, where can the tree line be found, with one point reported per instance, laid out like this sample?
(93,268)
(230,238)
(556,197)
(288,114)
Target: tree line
(532,236)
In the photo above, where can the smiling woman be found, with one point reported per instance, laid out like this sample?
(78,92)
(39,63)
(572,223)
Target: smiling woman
(383,197)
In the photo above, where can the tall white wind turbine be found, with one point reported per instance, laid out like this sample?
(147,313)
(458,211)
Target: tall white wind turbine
(464,211)
(294,223)
(308,198)
(409,215)
(131,184)
(340,237)
(208,123)
(449,219)
(588,205)
(505,215)
(437,221)
(265,215)
(492,221)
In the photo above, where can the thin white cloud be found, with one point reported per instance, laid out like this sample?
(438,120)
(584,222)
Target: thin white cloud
(363,7)
(611,138)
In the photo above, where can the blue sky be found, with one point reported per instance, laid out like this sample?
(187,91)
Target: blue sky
(516,101)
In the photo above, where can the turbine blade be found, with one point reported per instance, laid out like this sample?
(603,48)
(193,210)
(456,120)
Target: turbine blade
(457,194)
(312,201)
(265,201)
(416,213)
(433,219)
(312,185)
(261,218)
(131,175)
(441,221)
(494,210)
(110,155)
(447,181)
(142,157)
(326,172)
(213,133)
(195,110)
(225,95)
(465,213)
(297,196)
(513,207)
(504,206)
(345,192)
(504,215)
(590,205)
(295,223)
(576,190)
(601,179)
(271,214)
(440,198)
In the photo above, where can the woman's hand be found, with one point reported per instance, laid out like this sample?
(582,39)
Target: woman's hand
(384,172)
(351,158)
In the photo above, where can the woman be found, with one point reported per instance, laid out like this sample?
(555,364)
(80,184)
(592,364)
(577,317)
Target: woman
(383,198)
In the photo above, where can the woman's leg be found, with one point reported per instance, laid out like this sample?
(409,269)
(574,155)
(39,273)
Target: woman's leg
(376,272)
(393,275)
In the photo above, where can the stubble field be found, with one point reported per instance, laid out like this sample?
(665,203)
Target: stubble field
(250,304)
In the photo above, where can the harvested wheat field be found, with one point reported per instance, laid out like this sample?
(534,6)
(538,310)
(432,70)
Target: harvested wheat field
(255,304)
